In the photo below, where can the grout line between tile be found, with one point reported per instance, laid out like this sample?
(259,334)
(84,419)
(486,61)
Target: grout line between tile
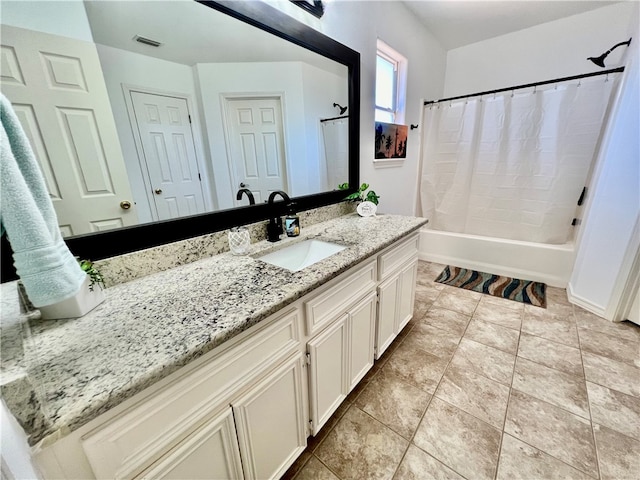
(295,476)
(504,432)
(326,466)
(601,384)
(593,433)
(511,389)
(411,441)
(419,316)
(504,422)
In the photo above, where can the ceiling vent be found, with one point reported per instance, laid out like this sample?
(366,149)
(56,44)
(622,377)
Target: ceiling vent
(147,41)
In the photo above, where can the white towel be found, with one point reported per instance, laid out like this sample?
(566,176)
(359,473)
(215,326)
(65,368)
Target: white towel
(43,262)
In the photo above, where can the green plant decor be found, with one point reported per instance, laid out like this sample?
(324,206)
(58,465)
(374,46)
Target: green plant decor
(360,196)
(93,272)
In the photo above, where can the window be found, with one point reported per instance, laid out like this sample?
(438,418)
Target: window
(386,89)
(391,75)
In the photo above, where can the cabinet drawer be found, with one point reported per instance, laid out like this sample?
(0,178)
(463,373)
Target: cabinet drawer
(132,441)
(397,255)
(341,293)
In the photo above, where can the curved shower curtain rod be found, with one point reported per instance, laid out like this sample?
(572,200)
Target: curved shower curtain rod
(528,85)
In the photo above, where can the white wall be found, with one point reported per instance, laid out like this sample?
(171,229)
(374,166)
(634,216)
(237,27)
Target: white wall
(320,90)
(358,24)
(556,49)
(299,112)
(122,67)
(65,18)
(608,240)
(544,52)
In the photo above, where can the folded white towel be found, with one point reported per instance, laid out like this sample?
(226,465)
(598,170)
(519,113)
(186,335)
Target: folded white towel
(43,262)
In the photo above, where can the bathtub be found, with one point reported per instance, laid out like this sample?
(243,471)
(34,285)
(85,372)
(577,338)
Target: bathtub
(551,264)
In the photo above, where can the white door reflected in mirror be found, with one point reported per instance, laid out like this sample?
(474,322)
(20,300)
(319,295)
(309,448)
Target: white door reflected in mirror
(256,141)
(204,58)
(58,93)
(168,154)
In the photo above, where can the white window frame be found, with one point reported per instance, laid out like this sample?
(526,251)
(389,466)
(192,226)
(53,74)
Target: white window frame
(401,67)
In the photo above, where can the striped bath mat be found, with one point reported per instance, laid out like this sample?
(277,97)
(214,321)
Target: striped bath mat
(524,291)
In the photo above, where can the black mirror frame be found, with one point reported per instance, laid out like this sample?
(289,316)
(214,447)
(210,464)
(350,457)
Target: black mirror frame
(314,7)
(96,246)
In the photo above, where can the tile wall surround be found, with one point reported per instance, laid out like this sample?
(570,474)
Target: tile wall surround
(127,267)
(480,387)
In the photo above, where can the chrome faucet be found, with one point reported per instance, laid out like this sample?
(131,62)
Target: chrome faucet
(274,227)
(252,201)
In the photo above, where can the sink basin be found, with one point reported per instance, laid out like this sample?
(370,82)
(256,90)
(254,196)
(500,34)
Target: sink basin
(300,255)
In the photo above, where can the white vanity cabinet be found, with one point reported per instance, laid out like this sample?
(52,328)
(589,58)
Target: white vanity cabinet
(343,312)
(271,421)
(245,410)
(219,419)
(211,451)
(223,448)
(398,268)
(338,359)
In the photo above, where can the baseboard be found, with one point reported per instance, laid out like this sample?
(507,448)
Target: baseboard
(522,274)
(585,304)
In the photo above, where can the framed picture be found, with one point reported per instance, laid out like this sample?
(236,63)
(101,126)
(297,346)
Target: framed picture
(390,140)
(314,7)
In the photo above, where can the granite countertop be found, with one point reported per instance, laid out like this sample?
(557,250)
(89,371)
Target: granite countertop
(67,372)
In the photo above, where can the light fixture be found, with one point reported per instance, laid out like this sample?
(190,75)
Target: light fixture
(147,41)
(342,109)
(599,61)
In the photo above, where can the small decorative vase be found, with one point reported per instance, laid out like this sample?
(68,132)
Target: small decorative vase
(367,209)
(80,304)
(239,240)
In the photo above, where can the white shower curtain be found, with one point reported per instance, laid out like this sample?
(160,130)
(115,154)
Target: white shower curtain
(336,149)
(512,165)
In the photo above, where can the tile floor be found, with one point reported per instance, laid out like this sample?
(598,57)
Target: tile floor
(478,387)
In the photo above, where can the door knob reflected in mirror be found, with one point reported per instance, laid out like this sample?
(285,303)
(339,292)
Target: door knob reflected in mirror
(125,204)
(158,191)
(243,185)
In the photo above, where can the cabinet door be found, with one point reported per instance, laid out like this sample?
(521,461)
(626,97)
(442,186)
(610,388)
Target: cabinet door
(209,452)
(407,294)
(387,314)
(328,372)
(362,327)
(271,422)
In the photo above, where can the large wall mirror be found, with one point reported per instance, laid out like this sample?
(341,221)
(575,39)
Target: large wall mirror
(148,117)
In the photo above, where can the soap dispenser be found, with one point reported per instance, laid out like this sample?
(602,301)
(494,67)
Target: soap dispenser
(292,222)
